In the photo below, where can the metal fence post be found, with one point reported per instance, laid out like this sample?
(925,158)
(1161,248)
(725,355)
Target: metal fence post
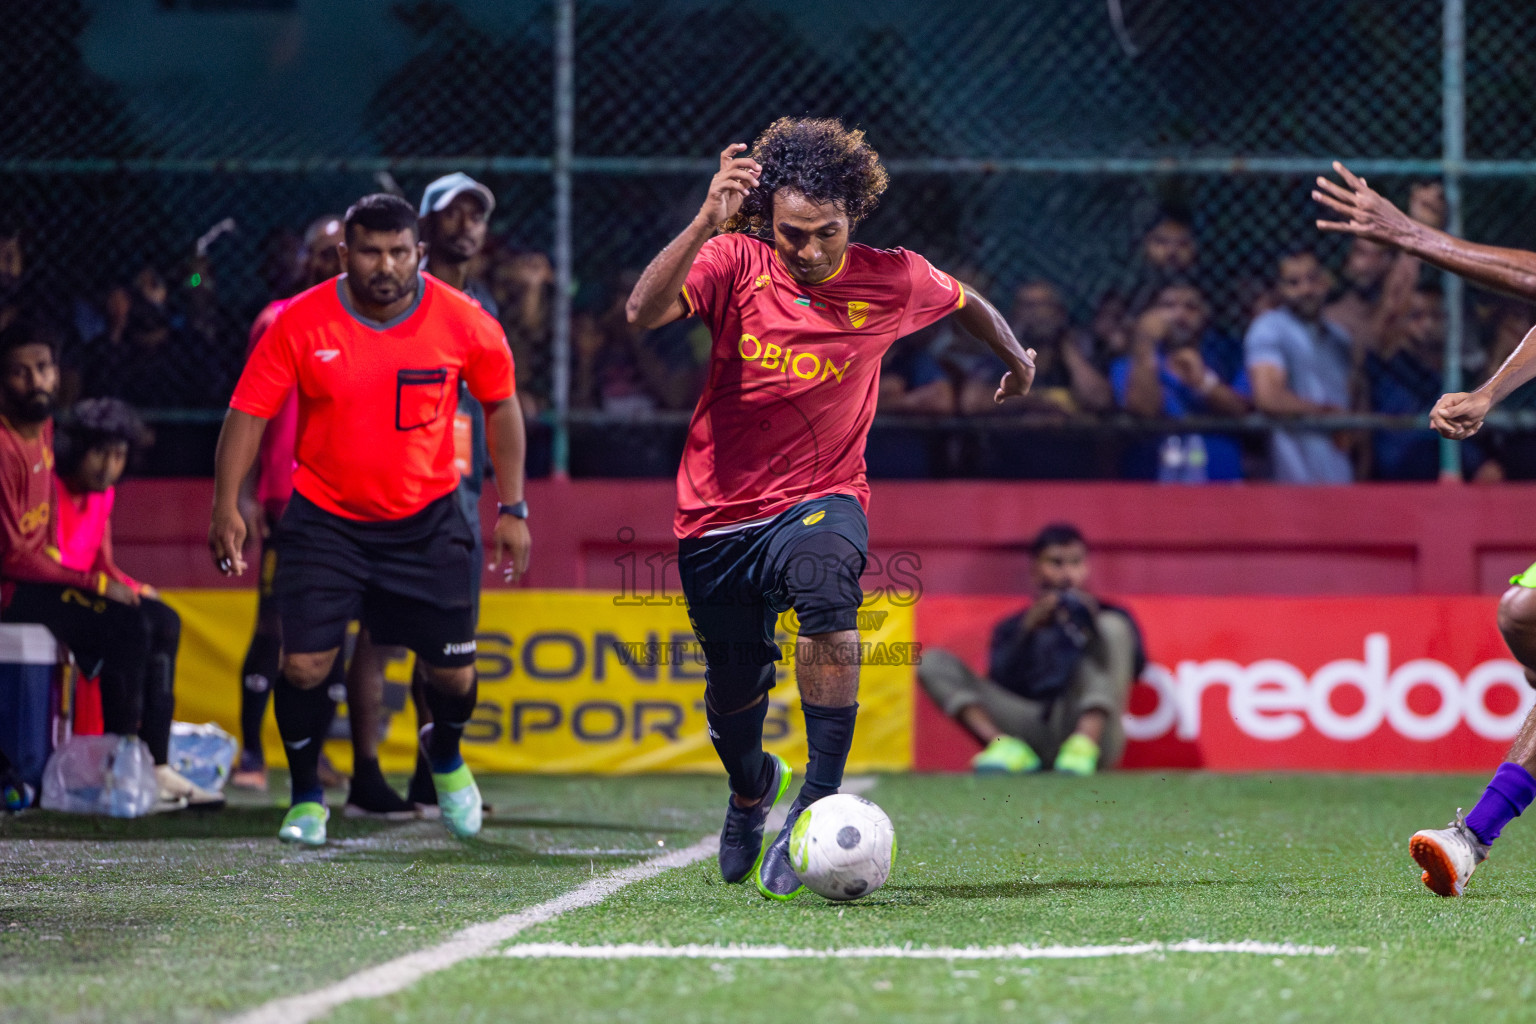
(1454,156)
(560,334)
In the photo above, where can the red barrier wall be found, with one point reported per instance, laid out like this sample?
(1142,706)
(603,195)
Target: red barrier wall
(1282,683)
(965,537)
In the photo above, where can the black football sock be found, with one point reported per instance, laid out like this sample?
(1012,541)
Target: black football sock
(370,790)
(256,677)
(829,735)
(738,740)
(450,715)
(422,790)
(303,719)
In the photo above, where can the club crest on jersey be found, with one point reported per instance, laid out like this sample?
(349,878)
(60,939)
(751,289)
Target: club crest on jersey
(858,312)
(762,281)
(815,517)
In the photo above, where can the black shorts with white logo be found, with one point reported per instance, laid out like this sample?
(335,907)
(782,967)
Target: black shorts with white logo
(407,580)
(808,559)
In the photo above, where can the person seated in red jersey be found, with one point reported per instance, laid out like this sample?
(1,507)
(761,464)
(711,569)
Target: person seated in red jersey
(92,448)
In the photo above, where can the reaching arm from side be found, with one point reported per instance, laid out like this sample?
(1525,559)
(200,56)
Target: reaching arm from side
(1368,214)
(1460,415)
(981,320)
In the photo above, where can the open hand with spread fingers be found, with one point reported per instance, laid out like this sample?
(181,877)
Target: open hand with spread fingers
(1366,212)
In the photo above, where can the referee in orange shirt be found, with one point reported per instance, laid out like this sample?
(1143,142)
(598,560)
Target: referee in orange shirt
(373,532)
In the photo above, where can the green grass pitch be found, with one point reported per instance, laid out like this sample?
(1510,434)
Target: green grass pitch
(192,919)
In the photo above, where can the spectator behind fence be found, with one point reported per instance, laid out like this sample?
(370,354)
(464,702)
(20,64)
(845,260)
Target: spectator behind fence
(12,273)
(1059,672)
(522,283)
(1172,371)
(1065,380)
(1403,377)
(1299,365)
(912,383)
(1509,455)
(671,359)
(141,354)
(1367,267)
(1168,253)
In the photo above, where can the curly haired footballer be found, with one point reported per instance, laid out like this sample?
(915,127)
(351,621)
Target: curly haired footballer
(820,159)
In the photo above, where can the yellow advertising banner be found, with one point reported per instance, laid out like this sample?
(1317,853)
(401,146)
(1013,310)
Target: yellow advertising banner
(573,681)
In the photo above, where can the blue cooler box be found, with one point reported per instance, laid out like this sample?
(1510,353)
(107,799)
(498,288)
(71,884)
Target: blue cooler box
(29,664)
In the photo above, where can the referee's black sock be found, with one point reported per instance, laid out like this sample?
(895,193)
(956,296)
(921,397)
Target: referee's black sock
(829,734)
(738,739)
(303,719)
(450,715)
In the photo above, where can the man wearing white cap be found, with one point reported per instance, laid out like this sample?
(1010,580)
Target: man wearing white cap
(455,213)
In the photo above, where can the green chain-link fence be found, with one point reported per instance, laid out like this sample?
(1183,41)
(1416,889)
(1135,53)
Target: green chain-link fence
(1025,140)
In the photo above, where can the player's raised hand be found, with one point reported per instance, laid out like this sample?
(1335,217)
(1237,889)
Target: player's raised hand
(1366,212)
(226,540)
(737,176)
(1017,384)
(512,545)
(1460,415)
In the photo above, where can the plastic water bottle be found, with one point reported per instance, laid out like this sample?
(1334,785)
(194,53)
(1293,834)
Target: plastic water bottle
(1170,460)
(1196,461)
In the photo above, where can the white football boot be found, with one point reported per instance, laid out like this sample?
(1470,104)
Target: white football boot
(1448,855)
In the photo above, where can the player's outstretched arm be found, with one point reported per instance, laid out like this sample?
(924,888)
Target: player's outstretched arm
(982,320)
(1368,214)
(239,442)
(507,439)
(655,299)
(1460,415)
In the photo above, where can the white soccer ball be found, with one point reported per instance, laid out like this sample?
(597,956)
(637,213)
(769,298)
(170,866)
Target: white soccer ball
(842,847)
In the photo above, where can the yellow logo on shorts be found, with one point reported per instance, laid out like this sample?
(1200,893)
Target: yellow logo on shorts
(858,312)
(814,518)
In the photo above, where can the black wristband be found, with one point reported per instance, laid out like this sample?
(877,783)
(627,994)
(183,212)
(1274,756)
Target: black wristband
(519,509)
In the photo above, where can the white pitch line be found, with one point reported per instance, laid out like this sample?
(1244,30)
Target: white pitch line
(474,941)
(479,940)
(648,951)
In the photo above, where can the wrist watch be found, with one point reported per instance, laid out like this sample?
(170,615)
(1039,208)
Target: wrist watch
(518,509)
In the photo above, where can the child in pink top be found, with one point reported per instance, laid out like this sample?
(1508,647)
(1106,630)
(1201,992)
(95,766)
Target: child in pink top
(92,447)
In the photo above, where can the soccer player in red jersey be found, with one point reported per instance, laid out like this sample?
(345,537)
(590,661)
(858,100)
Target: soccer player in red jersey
(373,532)
(771,490)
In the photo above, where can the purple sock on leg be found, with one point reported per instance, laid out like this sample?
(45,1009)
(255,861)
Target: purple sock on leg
(1509,792)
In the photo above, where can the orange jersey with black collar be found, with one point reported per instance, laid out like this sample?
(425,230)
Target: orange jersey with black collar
(376,401)
(794,374)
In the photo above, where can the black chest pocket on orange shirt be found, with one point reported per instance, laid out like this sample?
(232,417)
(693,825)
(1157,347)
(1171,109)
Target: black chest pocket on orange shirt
(420,397)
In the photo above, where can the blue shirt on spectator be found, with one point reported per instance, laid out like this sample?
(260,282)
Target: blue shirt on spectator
(1223,453)
(1403,386)
(1316,360)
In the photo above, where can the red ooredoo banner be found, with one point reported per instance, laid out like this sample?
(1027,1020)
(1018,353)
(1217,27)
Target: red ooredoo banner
(1295,684)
